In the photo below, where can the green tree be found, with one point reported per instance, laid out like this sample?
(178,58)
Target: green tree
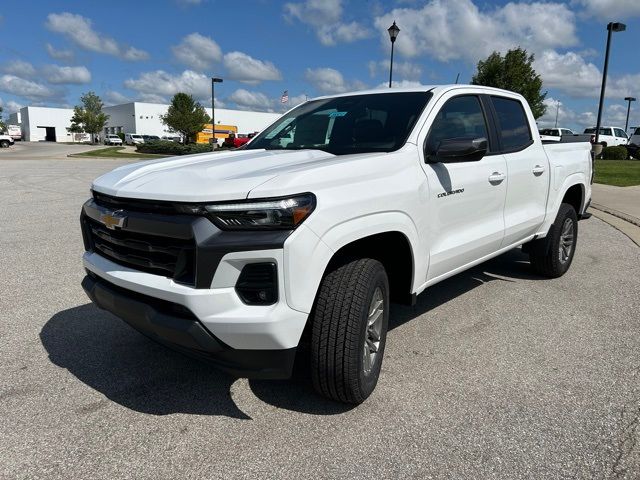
(2,125)
(513,71)
(89,117)
(186,116)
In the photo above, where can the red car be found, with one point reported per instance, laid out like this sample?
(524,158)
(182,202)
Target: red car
(235,141)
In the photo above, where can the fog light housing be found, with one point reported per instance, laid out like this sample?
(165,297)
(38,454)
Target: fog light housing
(258,284)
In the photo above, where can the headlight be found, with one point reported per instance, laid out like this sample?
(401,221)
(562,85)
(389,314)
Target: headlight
(284,213)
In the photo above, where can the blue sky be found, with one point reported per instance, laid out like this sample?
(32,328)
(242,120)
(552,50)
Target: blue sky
(52,52)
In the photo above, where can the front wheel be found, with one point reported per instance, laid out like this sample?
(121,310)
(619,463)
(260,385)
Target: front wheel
(349,330)
(552,256)
(4,144)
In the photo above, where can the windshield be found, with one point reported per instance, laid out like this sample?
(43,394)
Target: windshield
(345,125)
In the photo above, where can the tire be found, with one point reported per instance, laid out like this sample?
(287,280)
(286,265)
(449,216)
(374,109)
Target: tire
(346,353)
(4,144)
(552,256)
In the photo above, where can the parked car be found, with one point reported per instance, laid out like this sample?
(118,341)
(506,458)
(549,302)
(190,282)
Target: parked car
(150,138)
(554,134)
(168,138)
(634,143)
(248,258)
(235,141)
(610,136)
(6,140)
(133,139)
(112,139)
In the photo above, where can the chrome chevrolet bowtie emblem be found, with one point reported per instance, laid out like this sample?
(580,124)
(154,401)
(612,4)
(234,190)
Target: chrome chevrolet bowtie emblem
(113,219)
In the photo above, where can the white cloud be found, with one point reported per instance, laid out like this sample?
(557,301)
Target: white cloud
(569,73)
(19,68)
(159,85)
(401,84)
(247,100)
(458,29)
(113,97)
(66,75)
(247,69)
(197,51)
(401,70)
(329,80)
(10,107)
(325,17)
(608,10)
(80,31)
(60,54)
(25,88)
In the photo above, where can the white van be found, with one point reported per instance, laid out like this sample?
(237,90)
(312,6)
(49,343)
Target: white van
(133,139)
(610,136)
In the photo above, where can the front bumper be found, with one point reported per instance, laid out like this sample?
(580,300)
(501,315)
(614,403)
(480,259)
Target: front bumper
(175,326)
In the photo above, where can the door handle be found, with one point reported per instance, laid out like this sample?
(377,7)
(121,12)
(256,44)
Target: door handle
(538,170)
(496,178)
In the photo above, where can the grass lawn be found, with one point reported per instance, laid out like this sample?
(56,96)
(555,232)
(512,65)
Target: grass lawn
(621,173)
(115,152)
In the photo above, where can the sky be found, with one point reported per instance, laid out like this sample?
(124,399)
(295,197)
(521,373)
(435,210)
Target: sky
(148,50)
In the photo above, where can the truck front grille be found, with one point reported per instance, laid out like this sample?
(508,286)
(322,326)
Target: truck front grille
(170,257)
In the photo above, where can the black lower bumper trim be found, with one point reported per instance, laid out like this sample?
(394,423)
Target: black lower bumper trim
(175,326)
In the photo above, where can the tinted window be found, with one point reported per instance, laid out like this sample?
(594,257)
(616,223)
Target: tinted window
(620,133)
(344,125)
(551,132)
(566,132)
(603,131)
(460,117)
(513,124)
(637,132)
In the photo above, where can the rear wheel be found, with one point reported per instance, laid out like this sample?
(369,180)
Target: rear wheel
(552,256)
(4,144)
(349,330)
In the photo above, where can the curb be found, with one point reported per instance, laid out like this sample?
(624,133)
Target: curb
(617,213)
(629,228)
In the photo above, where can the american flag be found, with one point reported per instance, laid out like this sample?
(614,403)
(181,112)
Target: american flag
(285,97)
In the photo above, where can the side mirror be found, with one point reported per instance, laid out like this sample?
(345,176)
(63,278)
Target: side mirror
(453,150)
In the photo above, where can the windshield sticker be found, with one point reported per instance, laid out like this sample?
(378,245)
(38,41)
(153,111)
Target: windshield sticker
(337,114)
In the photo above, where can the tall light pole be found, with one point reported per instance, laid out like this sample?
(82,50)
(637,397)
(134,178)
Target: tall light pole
(557,112)
(393,34)
(628,99)
(214,142)
(611,27)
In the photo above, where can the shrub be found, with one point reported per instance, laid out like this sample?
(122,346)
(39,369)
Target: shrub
(165,147)
(121,135)
(615,153)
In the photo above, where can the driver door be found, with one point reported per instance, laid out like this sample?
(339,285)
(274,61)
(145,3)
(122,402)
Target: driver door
(466,201)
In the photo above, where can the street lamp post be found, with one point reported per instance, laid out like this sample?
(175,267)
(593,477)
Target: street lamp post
(393,34)
(557,112)
(628,99)
(611,27)
(214,142)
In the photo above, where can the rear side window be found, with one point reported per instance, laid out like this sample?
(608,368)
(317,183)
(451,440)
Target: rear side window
(513,125)
(460,117)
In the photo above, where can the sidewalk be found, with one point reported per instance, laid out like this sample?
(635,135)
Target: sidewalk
(620,201)
(618,206)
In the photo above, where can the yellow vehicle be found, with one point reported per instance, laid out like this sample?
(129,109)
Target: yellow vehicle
(222,131)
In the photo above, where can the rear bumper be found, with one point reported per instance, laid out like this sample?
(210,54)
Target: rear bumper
(177,327)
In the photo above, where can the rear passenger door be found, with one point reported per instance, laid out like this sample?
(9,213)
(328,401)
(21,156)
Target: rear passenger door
(527,169)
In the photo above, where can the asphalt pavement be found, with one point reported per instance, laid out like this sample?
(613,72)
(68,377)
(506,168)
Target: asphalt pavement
(495,373)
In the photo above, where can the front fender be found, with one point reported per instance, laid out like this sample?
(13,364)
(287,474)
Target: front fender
(314,253)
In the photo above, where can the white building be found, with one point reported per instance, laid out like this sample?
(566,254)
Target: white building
(51,124)
(44,124)
(144,119)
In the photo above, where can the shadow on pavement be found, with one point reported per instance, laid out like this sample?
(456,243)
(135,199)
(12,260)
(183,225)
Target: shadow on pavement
(109,356)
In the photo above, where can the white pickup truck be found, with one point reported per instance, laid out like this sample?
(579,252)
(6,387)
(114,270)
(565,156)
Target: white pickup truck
(298,242)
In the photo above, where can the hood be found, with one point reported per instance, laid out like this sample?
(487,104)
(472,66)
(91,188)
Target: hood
(205,177)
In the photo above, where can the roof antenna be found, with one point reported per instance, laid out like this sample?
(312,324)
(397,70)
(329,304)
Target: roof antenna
(457,77)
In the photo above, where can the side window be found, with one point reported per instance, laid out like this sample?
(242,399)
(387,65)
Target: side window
(460,117)
(606,131)
(513,124)
(620,133)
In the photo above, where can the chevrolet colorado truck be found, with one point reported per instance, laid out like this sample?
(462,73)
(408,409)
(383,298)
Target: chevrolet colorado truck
(299,242)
